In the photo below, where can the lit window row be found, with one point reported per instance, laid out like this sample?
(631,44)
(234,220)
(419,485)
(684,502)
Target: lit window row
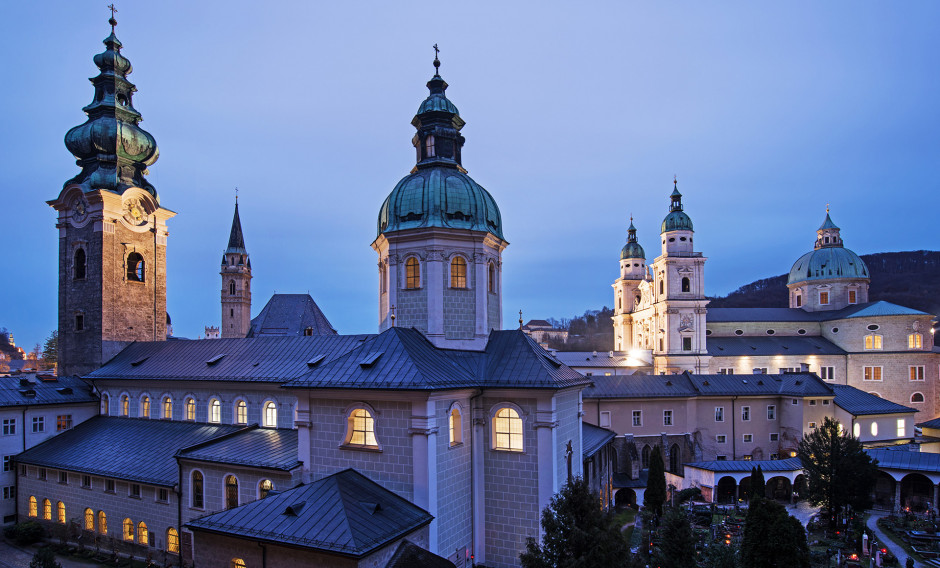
(213,409)
(197,490)
(458,274)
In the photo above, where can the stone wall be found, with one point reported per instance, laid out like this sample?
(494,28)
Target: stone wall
(454,504)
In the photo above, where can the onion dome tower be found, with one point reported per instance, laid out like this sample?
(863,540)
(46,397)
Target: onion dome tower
(236,283)
(112,228)
(440,237)
(627,289)
(830,277)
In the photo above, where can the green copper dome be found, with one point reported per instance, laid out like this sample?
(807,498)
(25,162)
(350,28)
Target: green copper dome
(437,101)
(676,220)
(829,260)
(112,150)
(632,249)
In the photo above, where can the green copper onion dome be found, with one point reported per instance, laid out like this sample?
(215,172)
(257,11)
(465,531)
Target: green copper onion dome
(112,150)
(676,220)
(438,192)
(632,249)
(829,259)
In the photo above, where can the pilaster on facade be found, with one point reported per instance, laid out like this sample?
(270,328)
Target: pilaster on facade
(423,431)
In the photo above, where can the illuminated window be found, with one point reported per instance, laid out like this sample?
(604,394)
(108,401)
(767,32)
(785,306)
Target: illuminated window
(874,428)
(264,487)
(458,272)
(215,411)
(142,536)
(89,520)
(915,341)
(917,397)
(491,278)
(102,523)
(145,406)
(79,264)
(60,512)
(135,267)
(857,430)
(412,274)
(190,406)
(824,298)
(105,405)
(507,430)
(33,508)
(872,374)
(167,408)
(270,414)
(853,297)
(231,492)
(241,412)
(455,426)
(172,541)
(811,425)
(128,530)
(47,509)
(196,490)
(901,428)
(237,563)
(916,372)
(125,405)
(872,341)
(360,429)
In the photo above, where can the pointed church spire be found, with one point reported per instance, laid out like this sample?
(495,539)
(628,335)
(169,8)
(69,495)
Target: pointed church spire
(236,240)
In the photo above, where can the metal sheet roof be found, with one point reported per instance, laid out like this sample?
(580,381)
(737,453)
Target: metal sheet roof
(869,309)
(860,403)
(256,447)
(771,345)
(741,466)
(593,438)
(344,513)
(934,423)
(875,309)
(640,386)
(900,459)
(410,555)
(290,315)
(689,385)
(135,449)
(30,390)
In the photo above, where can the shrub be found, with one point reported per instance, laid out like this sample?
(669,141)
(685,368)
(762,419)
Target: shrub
(24,534)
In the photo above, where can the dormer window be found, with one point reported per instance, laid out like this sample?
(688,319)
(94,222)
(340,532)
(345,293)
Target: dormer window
(429,146)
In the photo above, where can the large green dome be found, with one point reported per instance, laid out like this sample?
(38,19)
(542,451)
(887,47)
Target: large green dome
(439,197)
(827,264)
(677,221)
(632,249)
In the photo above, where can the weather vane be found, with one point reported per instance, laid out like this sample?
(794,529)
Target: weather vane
(236,194)
(437,62)
(520,319)
(827,209)
(675,179)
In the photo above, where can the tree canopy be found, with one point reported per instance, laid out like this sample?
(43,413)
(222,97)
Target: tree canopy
(676,542)
(838,471)
(757,483)
(655,494)
(772,538)
(577,533)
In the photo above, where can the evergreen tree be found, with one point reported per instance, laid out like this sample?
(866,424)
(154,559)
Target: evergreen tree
(757,483)
(720,556)
(655,494)
(577,533)
(676,543)
(838,471)
(772,538)
(44,558)
(50,350)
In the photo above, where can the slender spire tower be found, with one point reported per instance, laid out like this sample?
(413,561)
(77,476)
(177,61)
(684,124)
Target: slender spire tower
(236,283)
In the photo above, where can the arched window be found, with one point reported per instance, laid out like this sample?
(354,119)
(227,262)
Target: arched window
(172,541)
(167,408)
(458,272)
(125,405)
(102,523)
(264,487)
(360,429)
(874,428)
(456,427)
(128,530)
(215,410)
(674,459)
(47,509)
(270,414)
(33,508)
(231,287)
(241,412)
(79,264)
(491,278)
(196,490)
(190,405)
(915,341)
(412,274)
(645,457)
(429,146)
(60,512)
(507,430)
(135,267)
(145,406)
(142,536)
(89,520)
(237,563)
(686,284)
(231,492)
(105,405)
(917,397)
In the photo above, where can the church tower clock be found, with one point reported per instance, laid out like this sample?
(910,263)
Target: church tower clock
(112,227)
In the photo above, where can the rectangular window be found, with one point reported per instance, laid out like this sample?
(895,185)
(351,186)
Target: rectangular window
(39,424)
(667,418)
(63,422)
(686,343)
(827,373)
(86,481)
(917,373)
(915,341)
(794,401)
(163,495)
(63,478)
(745,413)
(747,458)
(872,341)
(637,417)
(7,463)
(721,438)
(774,456)
(811,425)
(41,474)
(872,374)
(605,419)
(771,412)
(812,402)
(721,458)
(726,371)
(135,491)
(901,428)
(760,370)
(774,437)
(824,298)
(109,486)
(748,438)
(853,297)
(826,402)
(719,414)
(9,492)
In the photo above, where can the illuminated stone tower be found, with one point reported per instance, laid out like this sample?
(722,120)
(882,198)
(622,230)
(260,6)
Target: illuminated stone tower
(236,283)
(627,293)
(112,227)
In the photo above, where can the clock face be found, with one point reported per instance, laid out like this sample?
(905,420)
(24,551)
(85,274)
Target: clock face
(134,213)
(79,210)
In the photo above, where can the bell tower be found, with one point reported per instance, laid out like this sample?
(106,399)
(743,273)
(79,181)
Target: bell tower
(112,227)
(236,283)
(627,293)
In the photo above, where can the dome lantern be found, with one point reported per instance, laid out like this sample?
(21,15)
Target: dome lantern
(632,249)
(676,220)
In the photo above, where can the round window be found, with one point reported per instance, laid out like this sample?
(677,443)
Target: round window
(835,330)
(672,239)
(739,332)
(682,239)
(708,332)
(771,332)
(873,327)
(801,331)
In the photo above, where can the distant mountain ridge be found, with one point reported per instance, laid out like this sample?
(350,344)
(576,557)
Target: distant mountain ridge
(910,279)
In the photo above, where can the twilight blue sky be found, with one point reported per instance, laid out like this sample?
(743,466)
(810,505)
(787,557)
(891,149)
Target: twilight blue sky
(578,114)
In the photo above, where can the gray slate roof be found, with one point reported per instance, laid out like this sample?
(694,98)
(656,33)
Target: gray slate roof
(135,449)
(593,438)
(934,423)
(689,385)
(900,459)
(255,447)
(741,466)
(262,359)
(345,513)
(870,309)
(771,345)
(859,403)
(601,360)
(30,390)
(289,315)
(410,555)
(401,358)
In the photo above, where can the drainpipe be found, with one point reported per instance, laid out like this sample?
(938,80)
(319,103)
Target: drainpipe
(16,467)
(734,437)
(179,508)
(264,555)
(473,511)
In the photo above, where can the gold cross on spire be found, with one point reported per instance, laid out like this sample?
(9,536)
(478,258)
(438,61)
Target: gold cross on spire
(436,51)
(827,209)
(236,194)
(112,21)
